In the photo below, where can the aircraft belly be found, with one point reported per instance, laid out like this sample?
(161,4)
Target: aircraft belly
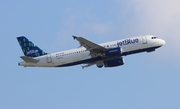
(69,59)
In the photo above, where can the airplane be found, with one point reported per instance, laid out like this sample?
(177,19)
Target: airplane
(108,54)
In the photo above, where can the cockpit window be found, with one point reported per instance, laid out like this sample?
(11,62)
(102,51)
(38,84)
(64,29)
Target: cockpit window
(153,37)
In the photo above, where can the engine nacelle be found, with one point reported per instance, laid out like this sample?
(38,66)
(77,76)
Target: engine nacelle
(114,62)
(113,52)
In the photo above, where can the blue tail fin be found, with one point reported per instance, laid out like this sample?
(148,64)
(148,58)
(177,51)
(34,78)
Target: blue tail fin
(29,49)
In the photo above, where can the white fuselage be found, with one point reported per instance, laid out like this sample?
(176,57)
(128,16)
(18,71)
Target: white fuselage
(81,55)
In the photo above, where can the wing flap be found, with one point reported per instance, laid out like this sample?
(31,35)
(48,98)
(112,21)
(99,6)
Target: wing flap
(88,65)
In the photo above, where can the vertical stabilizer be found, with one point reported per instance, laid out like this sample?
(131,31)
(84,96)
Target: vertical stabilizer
(29,49)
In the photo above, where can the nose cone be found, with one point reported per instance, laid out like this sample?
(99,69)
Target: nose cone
(162,42)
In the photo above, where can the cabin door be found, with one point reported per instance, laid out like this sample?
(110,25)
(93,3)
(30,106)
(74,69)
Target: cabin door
(49,59)
(144,40)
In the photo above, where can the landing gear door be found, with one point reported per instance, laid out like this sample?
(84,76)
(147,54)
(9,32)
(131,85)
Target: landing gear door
(49,59)
(144,40)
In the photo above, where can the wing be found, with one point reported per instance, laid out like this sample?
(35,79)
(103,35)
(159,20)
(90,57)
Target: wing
(92,47)
(88,65)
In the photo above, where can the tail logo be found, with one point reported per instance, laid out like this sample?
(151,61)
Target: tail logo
(29,48)
(32,51)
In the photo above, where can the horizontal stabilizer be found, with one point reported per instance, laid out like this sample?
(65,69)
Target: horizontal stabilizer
(28,59)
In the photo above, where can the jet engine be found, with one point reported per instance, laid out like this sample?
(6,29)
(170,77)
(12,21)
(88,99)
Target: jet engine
(113,52)
(115,62)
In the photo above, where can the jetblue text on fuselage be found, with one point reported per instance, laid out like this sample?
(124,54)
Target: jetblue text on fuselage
(128,41)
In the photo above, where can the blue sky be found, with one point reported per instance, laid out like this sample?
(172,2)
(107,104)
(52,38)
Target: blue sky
(146,81)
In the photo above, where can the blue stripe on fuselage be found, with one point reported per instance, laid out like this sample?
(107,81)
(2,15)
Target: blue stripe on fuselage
(91,60)
(140,50)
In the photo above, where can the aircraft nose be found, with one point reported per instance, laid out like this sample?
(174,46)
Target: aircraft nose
(163,42)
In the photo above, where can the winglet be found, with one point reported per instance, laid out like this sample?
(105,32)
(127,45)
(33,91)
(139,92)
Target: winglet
(74,37)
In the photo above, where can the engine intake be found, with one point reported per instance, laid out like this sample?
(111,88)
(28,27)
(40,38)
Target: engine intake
(99,64)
